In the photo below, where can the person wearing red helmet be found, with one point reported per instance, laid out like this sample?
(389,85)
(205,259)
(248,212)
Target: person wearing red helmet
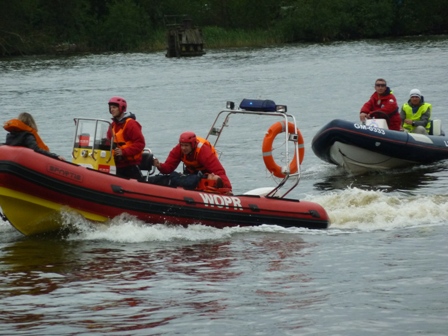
(199,158)
(129,141)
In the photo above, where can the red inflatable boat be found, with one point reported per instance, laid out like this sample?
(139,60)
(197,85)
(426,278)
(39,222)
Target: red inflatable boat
(36,190)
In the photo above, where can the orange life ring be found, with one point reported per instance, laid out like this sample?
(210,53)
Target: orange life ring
(273,131)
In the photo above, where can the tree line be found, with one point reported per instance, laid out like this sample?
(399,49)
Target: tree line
(38,26)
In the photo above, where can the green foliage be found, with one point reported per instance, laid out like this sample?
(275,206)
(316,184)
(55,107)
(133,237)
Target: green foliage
(324,20)
(418,17)
(36,26)
(14,28)
(217,37)
(235,14)
(124,27)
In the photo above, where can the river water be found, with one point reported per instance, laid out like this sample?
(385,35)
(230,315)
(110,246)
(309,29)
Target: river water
(379,269)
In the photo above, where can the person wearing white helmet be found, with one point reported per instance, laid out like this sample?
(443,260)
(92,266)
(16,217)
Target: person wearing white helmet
(416,114)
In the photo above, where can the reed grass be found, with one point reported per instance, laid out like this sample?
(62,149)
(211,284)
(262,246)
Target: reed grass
(217,38)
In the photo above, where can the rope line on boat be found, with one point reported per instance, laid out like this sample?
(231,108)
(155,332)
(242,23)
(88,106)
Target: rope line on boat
(119,190)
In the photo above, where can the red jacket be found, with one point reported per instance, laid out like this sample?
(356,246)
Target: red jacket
(132,133)
(387,104)
(206,158)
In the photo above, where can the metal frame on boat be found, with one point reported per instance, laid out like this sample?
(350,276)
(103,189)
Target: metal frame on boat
(266,108)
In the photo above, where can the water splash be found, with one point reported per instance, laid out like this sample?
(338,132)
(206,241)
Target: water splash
(350,210)
(369,210)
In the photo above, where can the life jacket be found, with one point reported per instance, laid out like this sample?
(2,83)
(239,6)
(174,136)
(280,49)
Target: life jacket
(120,141)
(192,165)
(15,125)
(208,186)
(416,116)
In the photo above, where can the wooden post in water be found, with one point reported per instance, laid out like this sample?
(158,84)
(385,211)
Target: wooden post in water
(183,39)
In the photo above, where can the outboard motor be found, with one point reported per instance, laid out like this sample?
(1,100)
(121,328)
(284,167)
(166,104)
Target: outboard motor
(147,163)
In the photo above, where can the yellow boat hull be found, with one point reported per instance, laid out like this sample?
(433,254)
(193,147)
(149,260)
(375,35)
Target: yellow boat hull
(40,215)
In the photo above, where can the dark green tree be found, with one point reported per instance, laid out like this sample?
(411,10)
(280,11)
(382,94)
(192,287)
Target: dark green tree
(125,26)
(37,26)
